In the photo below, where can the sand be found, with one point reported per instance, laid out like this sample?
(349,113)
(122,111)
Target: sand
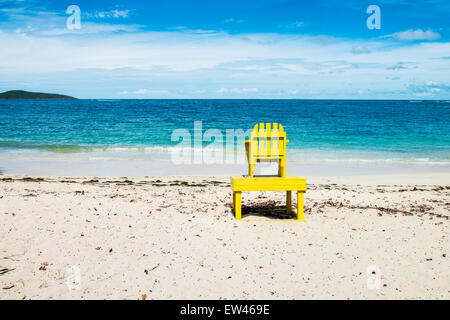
(366,237)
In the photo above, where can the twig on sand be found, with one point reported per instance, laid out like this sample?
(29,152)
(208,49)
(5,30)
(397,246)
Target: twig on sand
(154,267)
(5,270)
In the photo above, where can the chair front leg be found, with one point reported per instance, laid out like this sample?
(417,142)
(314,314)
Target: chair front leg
(300,206)
(237,206)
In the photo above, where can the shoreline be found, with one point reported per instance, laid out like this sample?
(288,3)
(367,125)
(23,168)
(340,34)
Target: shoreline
(406,179)
(140,168)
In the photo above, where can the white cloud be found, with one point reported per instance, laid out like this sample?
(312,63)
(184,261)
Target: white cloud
(53,23)
(237,90)
(358,49)
(244,90)
(91,28)
(13,11)
(295,24)
(430,88)
(400,66)
(110,14)
(418,34)
(144,92)
(233,20)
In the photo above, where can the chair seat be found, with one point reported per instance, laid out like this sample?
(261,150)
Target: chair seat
(268,183)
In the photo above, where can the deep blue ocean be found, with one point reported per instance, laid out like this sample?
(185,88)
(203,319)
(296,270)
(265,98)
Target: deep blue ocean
(332,130)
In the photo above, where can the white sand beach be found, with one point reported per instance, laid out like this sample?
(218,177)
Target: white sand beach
(175,237)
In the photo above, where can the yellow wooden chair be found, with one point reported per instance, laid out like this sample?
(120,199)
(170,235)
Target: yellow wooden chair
(268,144)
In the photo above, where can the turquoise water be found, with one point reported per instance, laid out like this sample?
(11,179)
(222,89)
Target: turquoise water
(319,130)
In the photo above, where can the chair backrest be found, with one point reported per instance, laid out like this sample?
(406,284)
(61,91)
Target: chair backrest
(267,143)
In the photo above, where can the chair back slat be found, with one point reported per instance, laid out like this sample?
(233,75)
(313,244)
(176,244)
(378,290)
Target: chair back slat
(276,139)
(260,137)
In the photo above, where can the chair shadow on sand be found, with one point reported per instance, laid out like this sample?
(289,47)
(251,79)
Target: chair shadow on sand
(266,211)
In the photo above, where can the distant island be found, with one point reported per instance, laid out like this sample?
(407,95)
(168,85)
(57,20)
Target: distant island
(20,94)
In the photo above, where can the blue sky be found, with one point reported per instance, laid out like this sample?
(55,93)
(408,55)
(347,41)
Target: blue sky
(227,49)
